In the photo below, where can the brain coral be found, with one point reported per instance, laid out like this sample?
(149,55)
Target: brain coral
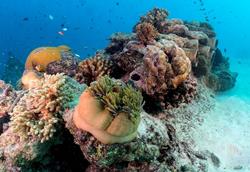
(38,112)
(109,110)
(39,58)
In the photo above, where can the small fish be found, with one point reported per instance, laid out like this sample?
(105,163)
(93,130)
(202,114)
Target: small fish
(77,55)
(51,17)
(117,3)
(109,21)
(25,19)
(65,29)
(61,33)
(225,50)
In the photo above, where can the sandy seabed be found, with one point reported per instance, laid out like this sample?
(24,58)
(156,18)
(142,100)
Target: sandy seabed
(226,129)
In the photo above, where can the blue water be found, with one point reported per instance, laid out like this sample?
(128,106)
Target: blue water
(26,25)
(90,23)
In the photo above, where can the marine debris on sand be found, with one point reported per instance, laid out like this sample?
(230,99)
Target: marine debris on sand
(131,107)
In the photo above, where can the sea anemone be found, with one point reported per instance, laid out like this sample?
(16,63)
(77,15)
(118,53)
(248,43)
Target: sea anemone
(109,110)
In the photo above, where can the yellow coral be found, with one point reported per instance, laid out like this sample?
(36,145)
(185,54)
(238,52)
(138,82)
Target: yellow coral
(39,58)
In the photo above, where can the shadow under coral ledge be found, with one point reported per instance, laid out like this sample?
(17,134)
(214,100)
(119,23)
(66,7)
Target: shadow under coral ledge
(131,107)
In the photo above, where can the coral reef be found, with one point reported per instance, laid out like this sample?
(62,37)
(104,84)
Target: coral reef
(38,112)
(146,33)
(221,78)
(156,69)
(143,99)
(90,70)
(39,58)
(155,17)
(117,42)
(67,65)
(142,149)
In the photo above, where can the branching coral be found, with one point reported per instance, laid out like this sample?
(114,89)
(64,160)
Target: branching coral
(67,65)
(146,33)
(39,58)
(90,70)
(113,111)
(38,112)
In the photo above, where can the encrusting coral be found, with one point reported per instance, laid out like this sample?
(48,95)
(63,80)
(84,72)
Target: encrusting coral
(39,58)
(113,111)
(38,112)
(90,70)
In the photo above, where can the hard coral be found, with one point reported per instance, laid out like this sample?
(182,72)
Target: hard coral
(39,111)
(67,65)
(164,68)
(39,58)
(155,17)
(146,33)
(109,110)
(90,70)
(129,58)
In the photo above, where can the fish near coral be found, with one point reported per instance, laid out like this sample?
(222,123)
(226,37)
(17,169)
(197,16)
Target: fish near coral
(109,110)
(39,58)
